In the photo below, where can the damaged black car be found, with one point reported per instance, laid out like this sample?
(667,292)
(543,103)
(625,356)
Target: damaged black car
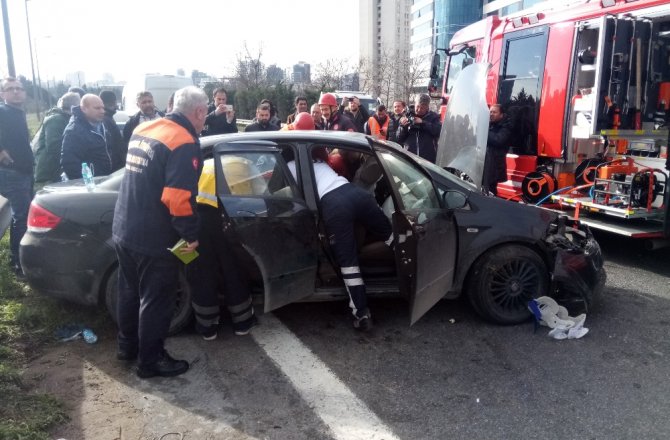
(449,239)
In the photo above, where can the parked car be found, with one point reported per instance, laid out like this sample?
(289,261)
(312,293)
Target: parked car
(449,238)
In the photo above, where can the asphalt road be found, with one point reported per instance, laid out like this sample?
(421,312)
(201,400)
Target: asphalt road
(305,374)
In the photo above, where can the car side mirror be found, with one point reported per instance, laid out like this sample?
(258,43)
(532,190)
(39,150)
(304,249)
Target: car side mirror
(454,199)
(435,66)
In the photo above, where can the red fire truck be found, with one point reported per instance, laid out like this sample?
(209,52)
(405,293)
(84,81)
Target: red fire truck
(586,86)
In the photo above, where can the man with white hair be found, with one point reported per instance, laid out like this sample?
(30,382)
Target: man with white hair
(85,139)
(50,141)
(155,209)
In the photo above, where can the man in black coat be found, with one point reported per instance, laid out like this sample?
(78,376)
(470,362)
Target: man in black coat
(262,120)
(355,112)
(420,134)
(16,163)
(220,117)
(118,148)
(85,140)
(495,166)
(148,112)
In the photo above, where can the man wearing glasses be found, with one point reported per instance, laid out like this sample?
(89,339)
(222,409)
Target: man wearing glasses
(16,163)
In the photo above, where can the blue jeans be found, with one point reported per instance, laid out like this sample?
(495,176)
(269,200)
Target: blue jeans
(18,189)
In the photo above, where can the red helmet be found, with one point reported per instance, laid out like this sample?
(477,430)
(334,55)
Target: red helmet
(328,99)
(303,121)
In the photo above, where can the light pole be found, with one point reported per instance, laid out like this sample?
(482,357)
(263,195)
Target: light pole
(32,65)
(8,39)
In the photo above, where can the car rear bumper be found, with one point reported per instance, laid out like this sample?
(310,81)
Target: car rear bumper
(61,269)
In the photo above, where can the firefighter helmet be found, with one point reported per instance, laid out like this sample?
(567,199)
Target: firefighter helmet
(303,121)
(328,99)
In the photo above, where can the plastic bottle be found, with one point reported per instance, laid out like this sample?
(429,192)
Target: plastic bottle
(87,175)
(89,336)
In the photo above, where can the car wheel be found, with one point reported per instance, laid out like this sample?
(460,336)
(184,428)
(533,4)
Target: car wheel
(502,282)
(183,310)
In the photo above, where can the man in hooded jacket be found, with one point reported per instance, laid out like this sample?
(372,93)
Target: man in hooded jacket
(50,140)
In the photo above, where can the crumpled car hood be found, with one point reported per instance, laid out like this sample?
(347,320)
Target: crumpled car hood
(462,143)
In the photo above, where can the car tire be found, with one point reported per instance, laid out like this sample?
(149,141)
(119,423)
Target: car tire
(183,312)
(502,282)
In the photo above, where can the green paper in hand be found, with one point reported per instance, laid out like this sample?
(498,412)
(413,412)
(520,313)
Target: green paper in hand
(184,257)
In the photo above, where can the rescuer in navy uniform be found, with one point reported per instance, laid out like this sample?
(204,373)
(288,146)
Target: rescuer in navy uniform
(156,208)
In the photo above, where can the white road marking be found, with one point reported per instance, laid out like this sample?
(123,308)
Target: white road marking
(344,413)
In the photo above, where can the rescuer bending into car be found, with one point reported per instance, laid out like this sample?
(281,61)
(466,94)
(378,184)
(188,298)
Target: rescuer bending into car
(156,208)
(217,267)
(342,206)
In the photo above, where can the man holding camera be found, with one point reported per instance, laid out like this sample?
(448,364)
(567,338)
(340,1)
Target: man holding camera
(394,123)
(420,129)
(220,117)
(353,110)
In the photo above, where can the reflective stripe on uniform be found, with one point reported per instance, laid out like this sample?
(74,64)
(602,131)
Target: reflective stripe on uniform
(350,270)
(205,310)
(243,317)
(207,185)
(240,307)
(353,282)
(207,322)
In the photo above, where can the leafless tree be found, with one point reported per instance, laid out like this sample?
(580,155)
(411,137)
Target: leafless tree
(330,74)
(250,70)
(410,76)
(380,77)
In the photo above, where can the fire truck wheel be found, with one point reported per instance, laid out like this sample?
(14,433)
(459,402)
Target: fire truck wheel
(503,280)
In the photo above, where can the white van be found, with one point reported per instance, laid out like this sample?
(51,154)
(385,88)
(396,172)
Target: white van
(366,100)
(160,86)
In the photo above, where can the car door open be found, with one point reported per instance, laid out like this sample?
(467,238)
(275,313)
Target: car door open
(262,203)
(425,233)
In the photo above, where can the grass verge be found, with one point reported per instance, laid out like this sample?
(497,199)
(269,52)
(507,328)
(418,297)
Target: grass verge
(27,324)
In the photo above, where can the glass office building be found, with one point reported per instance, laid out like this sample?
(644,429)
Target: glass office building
(433,23)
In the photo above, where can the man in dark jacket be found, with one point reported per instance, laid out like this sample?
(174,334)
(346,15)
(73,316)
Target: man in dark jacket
(50,141)
(497,144)
(148,112)
(85,140)
(420,134)
(394,123)
(118,148)
(353,110)
(16,164)
(221,117)
(156,208)
(262,120)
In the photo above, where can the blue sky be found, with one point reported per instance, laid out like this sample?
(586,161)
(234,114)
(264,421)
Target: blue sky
(129,37)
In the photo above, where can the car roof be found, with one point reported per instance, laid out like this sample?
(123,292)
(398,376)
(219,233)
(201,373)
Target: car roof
(350,139)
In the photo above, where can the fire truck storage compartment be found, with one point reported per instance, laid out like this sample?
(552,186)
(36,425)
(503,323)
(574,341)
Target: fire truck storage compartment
(620,77)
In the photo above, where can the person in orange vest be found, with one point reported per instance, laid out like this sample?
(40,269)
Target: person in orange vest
(378,123)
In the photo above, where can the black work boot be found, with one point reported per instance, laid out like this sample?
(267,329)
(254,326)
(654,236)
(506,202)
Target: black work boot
(363,323)
(166,366)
